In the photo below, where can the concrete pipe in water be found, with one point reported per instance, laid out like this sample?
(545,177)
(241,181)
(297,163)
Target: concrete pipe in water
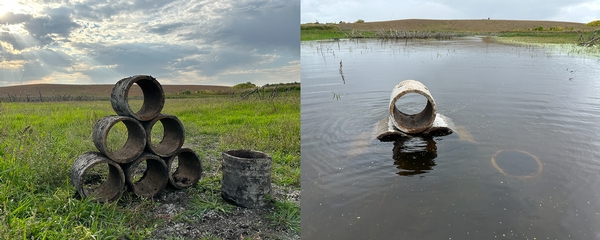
(173,135)
(246,177)
(154,178)
(111,187)
(136,138)
(185,168)
(412,123)
(154,97)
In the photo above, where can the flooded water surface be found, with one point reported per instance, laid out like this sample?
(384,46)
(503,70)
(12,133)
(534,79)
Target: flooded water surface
(523,162)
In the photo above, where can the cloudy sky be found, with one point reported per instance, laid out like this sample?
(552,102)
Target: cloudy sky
(325,11)
(213,42)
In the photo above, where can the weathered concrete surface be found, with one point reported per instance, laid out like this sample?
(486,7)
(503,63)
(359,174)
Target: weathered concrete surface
(154,97)
(189,169)
(136,138)
(173,138)
(246,177)
(110,189)
(416,123)
(386,131)
(155,177)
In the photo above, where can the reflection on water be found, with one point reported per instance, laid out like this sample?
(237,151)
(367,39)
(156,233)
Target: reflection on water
(414,156)
(502,99)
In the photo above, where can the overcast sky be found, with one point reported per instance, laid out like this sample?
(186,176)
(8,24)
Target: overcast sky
(325,11)
(214,42)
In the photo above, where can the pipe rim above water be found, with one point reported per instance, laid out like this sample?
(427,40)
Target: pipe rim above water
(412,123)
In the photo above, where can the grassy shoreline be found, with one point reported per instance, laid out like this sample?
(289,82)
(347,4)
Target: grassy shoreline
(39,142)
(545,32)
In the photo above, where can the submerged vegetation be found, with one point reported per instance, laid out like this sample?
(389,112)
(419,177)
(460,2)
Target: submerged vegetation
(39,142)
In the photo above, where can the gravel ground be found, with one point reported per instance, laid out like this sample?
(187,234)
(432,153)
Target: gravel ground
(240,223)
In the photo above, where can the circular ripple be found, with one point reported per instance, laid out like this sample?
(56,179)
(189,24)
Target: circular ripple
(517,158)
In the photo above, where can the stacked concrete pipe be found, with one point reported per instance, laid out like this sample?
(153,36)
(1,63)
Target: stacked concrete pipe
(138,148)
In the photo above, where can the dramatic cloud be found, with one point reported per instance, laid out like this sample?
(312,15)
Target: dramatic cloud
(383,10)
(49,29)
(12,18)
(177,41)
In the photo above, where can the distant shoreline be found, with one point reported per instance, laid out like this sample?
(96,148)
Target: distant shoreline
(464,25)
(442,28)
(94,90)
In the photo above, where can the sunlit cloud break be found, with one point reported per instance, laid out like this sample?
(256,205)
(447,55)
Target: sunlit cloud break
(176,41)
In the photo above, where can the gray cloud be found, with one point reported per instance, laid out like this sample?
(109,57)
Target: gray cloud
(200,40)
(383,10)
(100,10)
(225,59)
(162,29)
(49,57)
(14,42)
(46,29)
(266,25)
(137,58)
(510,9)
(12,18)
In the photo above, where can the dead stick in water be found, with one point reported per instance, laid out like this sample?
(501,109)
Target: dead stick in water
(342,72)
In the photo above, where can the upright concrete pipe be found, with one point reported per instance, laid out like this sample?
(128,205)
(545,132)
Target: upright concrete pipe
(188,171)
(110,189)
(136,138)
(246,177)
(415,123)
(154,97)
(155,178)
(173,136)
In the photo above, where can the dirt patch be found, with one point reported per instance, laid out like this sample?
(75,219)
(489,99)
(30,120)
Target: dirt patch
(482,25)
(181,219)
(240,223)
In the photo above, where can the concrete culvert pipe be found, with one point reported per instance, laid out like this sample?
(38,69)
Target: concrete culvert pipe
(111,185)
(133,147)
(154,177)
(246,177)
(172,139)
(185,168)
(154,97)
(412,123)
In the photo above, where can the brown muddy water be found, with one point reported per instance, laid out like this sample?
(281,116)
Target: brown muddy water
(524,162)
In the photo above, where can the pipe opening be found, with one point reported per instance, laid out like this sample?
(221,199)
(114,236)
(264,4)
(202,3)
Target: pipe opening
(165,135)
(152,95)
(97,177)
(411,103)
(147,180)
(134,141)
(185,169)
(117,137)
(135,102)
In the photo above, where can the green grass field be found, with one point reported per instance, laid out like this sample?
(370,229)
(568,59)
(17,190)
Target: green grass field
(321,32)
(40,141)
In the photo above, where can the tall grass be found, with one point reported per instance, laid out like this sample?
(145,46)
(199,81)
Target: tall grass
(320,31)
(40,141)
